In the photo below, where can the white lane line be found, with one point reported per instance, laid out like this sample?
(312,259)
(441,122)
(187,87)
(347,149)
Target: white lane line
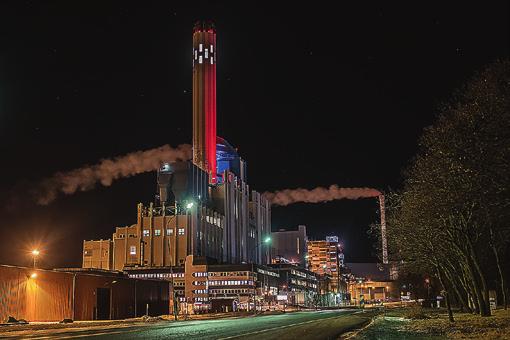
(275,328)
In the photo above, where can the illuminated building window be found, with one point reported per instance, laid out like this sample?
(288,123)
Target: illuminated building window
(169,232)
(145,232)
(206,53)
(200,59)
(132,250)
(196,56)
(181,231)
(157,232)
(200,47)
(212,49)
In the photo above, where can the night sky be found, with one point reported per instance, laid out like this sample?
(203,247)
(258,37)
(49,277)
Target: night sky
(311,96)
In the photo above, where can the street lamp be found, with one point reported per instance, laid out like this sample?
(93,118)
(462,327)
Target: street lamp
(35,253)
(427,281)
(267,240)
(189,205)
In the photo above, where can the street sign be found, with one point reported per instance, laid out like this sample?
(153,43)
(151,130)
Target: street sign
(492,302)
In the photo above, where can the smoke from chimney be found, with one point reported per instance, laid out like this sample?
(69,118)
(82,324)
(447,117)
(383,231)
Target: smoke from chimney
(108,170)
(317,195)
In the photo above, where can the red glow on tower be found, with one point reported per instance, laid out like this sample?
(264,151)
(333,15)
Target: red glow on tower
(204,98)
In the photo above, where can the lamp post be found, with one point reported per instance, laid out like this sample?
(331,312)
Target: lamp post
(427,281)
(35,253)
(266,241)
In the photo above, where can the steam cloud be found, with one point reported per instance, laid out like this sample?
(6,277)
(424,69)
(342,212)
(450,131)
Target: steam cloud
(108,170)
(317,195)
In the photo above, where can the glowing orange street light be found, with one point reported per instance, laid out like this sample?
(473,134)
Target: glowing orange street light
(33,275)
(35,253)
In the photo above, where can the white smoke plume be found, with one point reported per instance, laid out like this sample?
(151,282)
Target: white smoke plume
(317,195)
(108,170)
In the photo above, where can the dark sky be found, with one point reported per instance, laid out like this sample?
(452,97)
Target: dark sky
(311,95)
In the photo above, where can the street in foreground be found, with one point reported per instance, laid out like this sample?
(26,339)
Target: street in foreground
(302,325)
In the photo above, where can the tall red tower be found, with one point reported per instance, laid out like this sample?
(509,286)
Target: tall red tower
(204,98)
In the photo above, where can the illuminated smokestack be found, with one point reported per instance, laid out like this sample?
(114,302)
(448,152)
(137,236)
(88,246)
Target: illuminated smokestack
(204,98)
(383,230)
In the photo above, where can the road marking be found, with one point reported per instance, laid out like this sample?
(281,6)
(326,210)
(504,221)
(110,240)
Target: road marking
(279,327)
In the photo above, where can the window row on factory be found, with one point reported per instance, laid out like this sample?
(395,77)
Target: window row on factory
(213,220)
(157,232)
(303,283)
(156,275)
(231,291)
(230,282)
(212,274)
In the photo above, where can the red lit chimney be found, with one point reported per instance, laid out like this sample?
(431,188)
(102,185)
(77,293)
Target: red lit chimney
(204,98)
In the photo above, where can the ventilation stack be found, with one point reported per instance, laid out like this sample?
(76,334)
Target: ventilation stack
(383,230)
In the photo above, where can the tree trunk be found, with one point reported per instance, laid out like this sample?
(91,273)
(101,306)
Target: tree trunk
(500,271)
(468,288)
(477,293)
(460,297)
(446,296)
(486,310)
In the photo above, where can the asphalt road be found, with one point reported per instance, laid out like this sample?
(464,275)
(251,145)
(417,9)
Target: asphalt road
(296,326)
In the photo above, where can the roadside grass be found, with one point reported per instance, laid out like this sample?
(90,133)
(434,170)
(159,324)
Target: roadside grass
(466,326)
(422,323)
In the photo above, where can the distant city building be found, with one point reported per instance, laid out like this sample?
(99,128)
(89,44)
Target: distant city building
(289,246)
(297,286)
(332,239)
(373,281)
(324,259)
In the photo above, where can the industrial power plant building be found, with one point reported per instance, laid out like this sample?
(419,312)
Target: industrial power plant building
(204,208)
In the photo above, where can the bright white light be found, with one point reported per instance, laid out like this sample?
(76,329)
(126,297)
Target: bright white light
(200,48)
(33,276)
(35,252)
(189,205)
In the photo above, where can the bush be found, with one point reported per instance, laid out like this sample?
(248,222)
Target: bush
(416,313)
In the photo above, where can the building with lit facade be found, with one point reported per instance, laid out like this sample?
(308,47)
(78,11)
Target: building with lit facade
(297,286)
(324,258)
(203,208)
(374,282)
